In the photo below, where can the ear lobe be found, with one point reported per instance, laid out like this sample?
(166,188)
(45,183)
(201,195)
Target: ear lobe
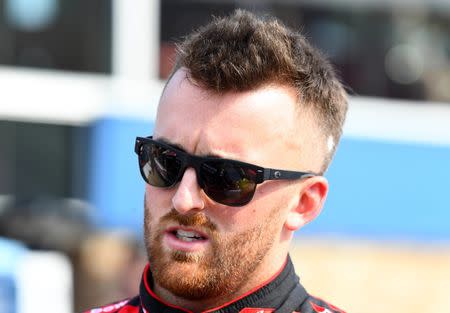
(312,196)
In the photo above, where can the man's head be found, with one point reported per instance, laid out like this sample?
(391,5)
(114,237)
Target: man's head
(243,52)
(251,90)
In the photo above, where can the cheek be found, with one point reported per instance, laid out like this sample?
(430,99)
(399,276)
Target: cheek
(270,204)
(158,195)
(238,220)
(157,200)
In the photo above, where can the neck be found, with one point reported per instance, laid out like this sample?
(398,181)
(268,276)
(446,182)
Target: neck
(262,276)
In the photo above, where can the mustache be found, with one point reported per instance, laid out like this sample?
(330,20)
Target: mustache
(196,219)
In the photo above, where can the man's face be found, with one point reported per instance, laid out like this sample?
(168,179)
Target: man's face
(201,249)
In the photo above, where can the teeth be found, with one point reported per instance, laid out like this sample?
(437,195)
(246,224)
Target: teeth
(186,238)
(187,235)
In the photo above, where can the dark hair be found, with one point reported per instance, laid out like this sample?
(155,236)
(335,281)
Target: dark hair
(243,52)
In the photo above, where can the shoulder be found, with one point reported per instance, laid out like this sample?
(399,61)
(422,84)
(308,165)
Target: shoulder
(317,305)
(124,306)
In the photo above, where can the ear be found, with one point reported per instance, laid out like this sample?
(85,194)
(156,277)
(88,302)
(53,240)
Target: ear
(312,195)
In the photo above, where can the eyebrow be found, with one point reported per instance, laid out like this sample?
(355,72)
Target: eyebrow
(180,147)
(169,143)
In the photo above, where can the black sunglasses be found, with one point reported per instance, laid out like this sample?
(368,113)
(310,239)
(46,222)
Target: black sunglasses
(225,181)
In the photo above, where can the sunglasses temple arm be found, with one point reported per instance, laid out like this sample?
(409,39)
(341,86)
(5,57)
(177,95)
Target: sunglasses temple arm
(272,174)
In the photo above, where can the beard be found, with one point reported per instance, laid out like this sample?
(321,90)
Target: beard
(220,270)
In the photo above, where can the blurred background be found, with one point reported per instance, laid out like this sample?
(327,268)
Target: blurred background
(80,79)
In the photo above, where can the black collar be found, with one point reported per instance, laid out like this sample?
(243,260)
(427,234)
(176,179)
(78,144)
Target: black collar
(283,293)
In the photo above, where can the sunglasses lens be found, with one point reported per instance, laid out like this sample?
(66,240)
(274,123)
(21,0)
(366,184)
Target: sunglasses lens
(160,166)
(228,183)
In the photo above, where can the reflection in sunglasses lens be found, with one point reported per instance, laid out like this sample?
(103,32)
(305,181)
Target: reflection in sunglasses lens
(229,184)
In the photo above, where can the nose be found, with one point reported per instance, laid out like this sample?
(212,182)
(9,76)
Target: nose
(189,194)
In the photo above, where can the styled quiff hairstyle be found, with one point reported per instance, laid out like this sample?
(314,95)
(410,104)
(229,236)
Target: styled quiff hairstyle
(242,52)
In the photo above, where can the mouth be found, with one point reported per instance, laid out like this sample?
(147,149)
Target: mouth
(185,239)
(187,235)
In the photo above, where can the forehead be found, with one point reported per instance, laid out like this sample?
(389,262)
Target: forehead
(233,124)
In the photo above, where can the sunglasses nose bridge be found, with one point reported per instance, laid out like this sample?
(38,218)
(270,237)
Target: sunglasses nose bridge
(191,161)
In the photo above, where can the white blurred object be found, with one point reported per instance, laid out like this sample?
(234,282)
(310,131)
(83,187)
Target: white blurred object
(73,98)
(44,283)
(398,120)
(136,39)
(404,64)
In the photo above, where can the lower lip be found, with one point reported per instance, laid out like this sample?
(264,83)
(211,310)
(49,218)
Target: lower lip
(188,246)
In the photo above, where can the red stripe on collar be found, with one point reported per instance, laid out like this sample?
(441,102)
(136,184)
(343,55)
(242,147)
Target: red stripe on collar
(256,310)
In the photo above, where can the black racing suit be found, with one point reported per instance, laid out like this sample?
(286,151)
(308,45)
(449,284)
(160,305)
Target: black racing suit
(283,294)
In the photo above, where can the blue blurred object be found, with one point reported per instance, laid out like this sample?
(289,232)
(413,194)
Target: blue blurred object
(116,188)
(7,294)
(387,190)
(10,252)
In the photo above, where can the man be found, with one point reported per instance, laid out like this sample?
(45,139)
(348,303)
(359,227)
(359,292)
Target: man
(246,126)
